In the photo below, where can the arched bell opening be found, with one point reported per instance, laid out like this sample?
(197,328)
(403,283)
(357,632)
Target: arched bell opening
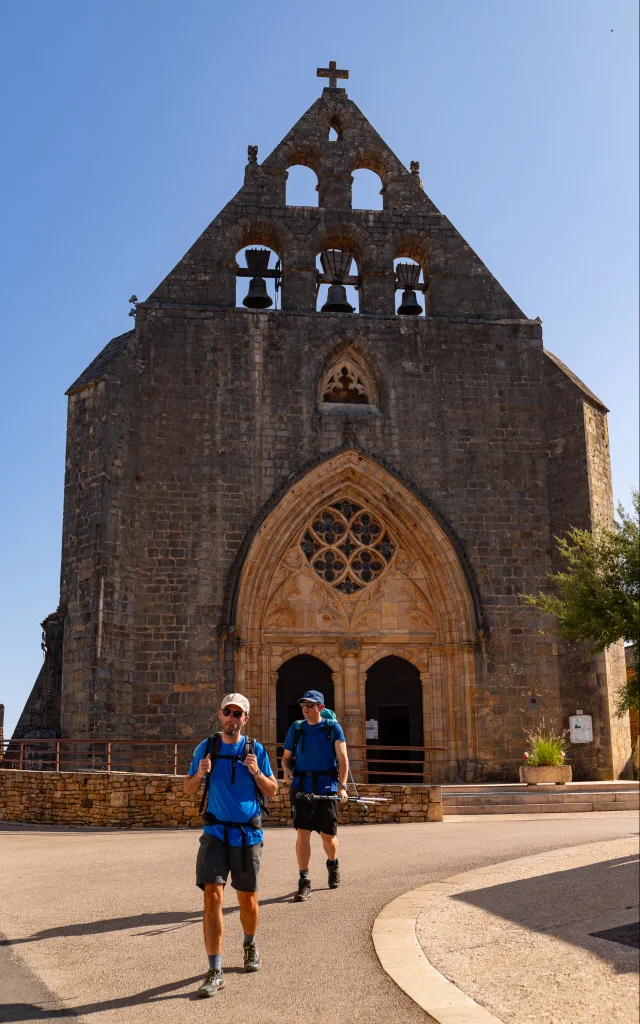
(366,191)
(302,186)
(393,695)
(338,282)
(410,282)
(258,278)
(295,676)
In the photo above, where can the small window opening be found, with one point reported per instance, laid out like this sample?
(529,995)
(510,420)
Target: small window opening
(258,280)
(411,285)
(350,292)
(334,135)
(346,385)
(302,186)
(365,193)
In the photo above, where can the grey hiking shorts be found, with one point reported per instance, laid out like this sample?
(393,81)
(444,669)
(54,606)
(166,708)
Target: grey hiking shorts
(215,863)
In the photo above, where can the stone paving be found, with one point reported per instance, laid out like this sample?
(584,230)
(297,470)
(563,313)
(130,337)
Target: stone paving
(520,940)
(106,923)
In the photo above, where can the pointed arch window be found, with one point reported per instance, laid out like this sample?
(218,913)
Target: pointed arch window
(348,381)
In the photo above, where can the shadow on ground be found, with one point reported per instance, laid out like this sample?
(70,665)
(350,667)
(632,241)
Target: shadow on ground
(11,1013)
(542,903)
(157,923)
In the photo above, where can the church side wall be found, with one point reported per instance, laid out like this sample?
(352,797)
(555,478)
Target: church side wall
(98,556)
(579,476)
(225,406)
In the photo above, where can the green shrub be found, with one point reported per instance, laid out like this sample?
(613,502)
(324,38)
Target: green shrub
(546,747)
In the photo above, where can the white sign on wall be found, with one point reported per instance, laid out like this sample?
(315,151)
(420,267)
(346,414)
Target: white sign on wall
(581,729)
(371,729)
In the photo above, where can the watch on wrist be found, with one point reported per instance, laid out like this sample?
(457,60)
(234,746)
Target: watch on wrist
(343,785)
(258,773)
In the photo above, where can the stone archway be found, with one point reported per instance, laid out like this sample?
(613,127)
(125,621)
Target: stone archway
(295,676)
(351,567)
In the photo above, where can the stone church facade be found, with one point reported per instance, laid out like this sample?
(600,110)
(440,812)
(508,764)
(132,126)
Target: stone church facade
(266,499)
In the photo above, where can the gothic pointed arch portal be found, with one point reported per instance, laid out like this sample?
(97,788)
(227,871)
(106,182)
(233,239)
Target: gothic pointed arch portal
(351,567)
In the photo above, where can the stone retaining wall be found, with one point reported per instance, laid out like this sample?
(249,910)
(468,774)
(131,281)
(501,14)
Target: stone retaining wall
(128,800)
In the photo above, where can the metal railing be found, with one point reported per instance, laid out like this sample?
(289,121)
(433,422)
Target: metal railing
(369,762)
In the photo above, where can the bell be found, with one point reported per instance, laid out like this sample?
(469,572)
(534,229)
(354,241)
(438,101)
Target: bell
(257,297)
(409,305)
(337,300)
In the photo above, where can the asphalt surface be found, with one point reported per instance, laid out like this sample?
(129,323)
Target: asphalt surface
(106,924)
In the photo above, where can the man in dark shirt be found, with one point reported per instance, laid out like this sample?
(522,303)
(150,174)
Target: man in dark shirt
(232,839)
(315,764)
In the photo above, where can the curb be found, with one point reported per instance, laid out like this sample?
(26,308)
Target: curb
(401,956)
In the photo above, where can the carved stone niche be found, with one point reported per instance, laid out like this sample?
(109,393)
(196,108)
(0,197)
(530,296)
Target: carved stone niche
(349,647)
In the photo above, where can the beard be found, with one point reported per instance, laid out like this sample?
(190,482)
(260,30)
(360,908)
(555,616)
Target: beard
(232,727)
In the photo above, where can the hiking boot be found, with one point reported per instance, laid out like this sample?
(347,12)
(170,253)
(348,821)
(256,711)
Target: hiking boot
(334,875)
(304,890)
(213,981)
(251,957)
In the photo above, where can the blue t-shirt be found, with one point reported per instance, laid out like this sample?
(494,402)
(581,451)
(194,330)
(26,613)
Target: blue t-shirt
(316,753)
(237,802)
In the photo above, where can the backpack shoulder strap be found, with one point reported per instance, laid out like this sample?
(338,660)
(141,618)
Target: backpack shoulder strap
(250,748)
(297,733)
(211,750)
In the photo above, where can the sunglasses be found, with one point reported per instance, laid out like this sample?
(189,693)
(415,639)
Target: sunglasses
(308,704)
(236,714)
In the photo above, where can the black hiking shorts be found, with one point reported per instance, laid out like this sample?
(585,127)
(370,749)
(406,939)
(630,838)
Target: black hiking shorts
(314,815)
(215,863)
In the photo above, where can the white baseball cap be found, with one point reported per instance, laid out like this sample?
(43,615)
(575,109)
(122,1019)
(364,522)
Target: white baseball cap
(236,698)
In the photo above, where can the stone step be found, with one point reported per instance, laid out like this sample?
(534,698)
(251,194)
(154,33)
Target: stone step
(612,786)
(538,797)
(541,803)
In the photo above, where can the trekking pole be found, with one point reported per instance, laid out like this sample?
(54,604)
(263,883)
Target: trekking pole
(365,799)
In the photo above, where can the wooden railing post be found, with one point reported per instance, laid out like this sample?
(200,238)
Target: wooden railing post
(57,755)
(175,758)
(21,755)
(108,755)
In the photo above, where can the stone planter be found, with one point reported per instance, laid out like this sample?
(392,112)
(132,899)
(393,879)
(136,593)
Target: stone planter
(533,775)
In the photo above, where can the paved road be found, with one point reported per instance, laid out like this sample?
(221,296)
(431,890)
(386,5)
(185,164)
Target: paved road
(106,924)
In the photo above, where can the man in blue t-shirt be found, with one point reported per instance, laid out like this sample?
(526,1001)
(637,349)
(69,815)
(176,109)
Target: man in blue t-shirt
(315,764)
(236,770)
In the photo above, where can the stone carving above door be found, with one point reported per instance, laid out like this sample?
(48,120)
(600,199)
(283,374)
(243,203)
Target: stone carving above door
(307,598)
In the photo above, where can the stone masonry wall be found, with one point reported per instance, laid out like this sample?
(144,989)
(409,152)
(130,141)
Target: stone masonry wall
(128,800)
(181,433)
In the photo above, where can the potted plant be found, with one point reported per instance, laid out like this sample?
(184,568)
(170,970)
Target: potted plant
(544,761)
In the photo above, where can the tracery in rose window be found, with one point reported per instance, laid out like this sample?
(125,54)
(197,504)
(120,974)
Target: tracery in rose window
(347,546)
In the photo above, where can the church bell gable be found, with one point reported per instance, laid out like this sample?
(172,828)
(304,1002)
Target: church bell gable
(456,282)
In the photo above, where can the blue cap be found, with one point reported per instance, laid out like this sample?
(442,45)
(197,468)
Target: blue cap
(314,695)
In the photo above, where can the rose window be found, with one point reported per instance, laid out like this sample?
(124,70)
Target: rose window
(347,546)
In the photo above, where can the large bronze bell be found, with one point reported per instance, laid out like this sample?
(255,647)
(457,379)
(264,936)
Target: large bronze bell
(257,297)
(337,300)
(409,305)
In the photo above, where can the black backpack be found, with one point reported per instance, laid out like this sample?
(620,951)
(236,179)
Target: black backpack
(212,750)
(298,736)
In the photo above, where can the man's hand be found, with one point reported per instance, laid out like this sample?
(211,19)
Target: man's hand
(251,762)
(204,767)
(288,775)
(344,796)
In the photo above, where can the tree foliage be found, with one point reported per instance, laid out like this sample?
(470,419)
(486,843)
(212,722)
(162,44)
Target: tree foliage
(597,599)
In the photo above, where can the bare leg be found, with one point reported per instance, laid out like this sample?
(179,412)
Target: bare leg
(249,911)
(303,848)
(212,918)
(330,844)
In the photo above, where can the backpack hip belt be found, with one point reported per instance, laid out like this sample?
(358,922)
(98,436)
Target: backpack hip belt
(255,822)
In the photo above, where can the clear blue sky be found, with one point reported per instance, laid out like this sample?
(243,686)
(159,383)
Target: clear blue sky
(128,125)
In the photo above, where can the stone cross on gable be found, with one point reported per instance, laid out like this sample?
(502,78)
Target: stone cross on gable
(332,73)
